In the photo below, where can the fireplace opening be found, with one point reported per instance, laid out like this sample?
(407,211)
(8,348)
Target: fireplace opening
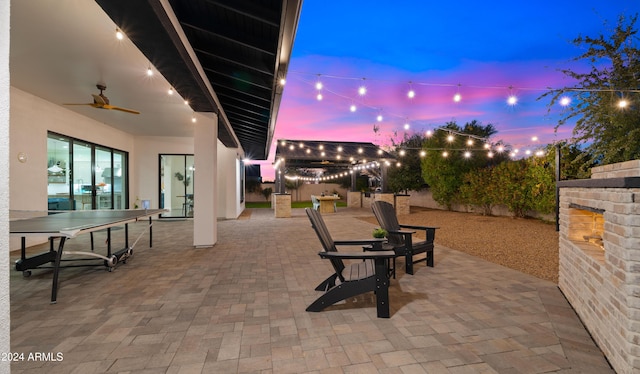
(586,225)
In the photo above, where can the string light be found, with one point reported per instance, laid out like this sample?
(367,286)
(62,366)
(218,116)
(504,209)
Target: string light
(149,71)
(411,93)
(565,101)
(170,91)
(457,97)
(362,90)
(353,108)
(623,103)
(119,34)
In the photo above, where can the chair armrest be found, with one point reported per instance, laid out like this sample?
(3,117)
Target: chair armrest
(372,241)
(358,255)
(419,227)
(401,232)
(430,232)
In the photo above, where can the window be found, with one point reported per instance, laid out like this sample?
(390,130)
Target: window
(83,175)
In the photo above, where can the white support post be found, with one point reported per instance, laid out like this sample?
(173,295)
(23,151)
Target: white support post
(205,229)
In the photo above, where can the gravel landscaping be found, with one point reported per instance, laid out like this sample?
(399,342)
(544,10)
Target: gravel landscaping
(526,245)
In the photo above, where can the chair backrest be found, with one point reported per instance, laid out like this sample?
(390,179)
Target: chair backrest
(315,201)
(325,238)
(386,215)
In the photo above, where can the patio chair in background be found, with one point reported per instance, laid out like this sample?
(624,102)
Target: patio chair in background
(402,240)
(368,274)
(315,202)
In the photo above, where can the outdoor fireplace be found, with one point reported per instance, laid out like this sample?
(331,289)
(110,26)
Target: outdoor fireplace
(599,222)
(586,224)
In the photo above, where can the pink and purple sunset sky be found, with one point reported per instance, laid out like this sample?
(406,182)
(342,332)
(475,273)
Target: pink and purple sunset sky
(483,50)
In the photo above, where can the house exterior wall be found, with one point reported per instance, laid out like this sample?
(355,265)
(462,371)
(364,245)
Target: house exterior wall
(5,326)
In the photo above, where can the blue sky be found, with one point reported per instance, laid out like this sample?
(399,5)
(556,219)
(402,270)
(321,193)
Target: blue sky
(485,51)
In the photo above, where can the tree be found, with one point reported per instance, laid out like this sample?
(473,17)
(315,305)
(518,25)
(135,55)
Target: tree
(610,133)
(408,175)
(480,189)
(267,193)
(445,175)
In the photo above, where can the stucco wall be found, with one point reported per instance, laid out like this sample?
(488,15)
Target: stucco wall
(4,185)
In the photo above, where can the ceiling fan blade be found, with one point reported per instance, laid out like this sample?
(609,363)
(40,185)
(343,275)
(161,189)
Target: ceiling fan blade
(120,109)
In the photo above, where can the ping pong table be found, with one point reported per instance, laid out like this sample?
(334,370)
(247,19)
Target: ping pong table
(70,224)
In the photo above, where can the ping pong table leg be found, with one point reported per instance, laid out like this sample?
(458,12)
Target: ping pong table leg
(56,270)
(150,233)
(126,235)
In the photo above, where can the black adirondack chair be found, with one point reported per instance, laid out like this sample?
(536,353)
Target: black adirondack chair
(402,240)
(355,278)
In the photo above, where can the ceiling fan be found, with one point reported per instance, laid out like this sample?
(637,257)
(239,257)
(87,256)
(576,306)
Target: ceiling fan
(102,102)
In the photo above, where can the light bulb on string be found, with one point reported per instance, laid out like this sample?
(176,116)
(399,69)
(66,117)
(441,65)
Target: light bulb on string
(411,93)
(170,91)
(428,133)
(149,71)
(379,118)
(318,83)
(407,126)
(565,101)
(450,138)
(445,154)
(457,97)
(362,90)
(319,96)
(353,108)
(467,154)
(512,99)
(119,34)
(623,103)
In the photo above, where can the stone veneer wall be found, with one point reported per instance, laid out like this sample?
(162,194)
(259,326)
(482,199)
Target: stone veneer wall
(604,286)
(282,205)
(354,199)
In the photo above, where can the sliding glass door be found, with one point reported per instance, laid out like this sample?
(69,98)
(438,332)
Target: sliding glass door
(84,175)
(176,185)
